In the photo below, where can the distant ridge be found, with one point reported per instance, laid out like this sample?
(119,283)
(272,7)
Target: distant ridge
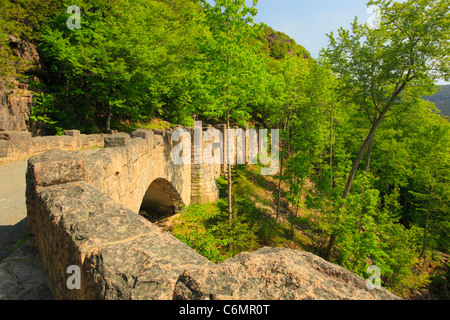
(442,100)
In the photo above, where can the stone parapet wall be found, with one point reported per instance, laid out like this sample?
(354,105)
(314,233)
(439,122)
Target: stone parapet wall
(120,254)
(125,167)
(19,145)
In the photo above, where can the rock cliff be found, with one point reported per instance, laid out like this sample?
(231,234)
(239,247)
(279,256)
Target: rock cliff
(16,102)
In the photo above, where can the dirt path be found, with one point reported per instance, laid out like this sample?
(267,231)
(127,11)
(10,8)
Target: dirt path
(13,210)
(21,274)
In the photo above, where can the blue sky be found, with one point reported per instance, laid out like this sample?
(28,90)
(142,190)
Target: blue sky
(308,21)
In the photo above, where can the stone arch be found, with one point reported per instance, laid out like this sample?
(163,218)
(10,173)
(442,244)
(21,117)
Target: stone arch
(161,200)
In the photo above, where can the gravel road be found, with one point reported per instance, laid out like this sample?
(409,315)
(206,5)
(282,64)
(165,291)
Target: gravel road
(13,210)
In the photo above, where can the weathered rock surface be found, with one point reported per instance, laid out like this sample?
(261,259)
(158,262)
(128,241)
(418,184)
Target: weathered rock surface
(121,254)
(15,109)
(16,103)
(26,51)
(275,274)
(22,277)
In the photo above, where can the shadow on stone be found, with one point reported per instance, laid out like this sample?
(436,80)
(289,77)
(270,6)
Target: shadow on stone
(154,215)
(10,235)
(22,276)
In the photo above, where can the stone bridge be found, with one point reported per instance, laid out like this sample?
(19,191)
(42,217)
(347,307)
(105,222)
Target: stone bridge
(137,171)
(83,212)
(134,169)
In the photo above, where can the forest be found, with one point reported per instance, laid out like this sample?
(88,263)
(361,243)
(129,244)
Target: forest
(364,175)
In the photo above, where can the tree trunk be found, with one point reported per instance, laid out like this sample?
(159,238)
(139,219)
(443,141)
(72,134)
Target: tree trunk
(369,153)
(366,166)
(332,237)
(295,215)
(369,150)
(352,174)
(331,148)
(425,235)
(279,188)
(363,149)
(369,140)
(108,118)
(286,124)
(230,207)
(427,219)
(376,123)
(330,246)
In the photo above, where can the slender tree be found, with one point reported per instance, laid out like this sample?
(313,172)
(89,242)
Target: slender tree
(235,66)
(294,71)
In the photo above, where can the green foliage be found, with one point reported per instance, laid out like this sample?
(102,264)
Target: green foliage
(108,70)
(234,67)
(195,235)
(370,234)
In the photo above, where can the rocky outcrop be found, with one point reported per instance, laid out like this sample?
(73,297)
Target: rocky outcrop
(27,51)
(15,109)
(275,274)
(16,102)
(22,277)
(279,45)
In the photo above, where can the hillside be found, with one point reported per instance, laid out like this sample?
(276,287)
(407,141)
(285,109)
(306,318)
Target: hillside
(442,100)
(279,45)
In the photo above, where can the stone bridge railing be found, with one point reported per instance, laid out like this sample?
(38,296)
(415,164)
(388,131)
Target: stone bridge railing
(19,145)
(82,211)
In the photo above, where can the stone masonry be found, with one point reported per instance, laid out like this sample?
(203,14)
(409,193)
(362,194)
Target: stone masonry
(19,145)
(83,211)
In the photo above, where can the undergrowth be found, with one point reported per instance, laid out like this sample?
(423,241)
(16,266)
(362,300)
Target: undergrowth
(207,229)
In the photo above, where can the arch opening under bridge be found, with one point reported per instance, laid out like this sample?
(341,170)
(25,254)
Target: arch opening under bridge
(160,201)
